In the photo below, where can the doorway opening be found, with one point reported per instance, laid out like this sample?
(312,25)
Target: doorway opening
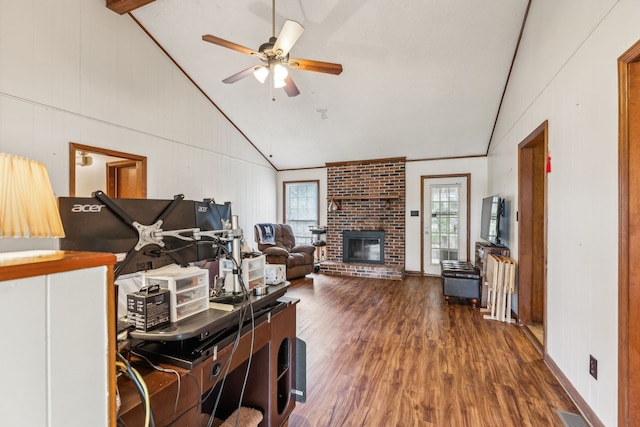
(118,174)
(532,234)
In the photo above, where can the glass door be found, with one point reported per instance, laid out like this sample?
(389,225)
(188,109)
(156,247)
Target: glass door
(445,237)
(444,221)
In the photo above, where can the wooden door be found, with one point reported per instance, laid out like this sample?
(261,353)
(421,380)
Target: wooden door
(123,179)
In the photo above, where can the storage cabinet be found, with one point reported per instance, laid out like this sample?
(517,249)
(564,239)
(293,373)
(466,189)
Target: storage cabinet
(283,340)
(482,251)
(189,289)
(253,270)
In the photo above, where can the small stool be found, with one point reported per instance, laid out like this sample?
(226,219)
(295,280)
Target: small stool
(461,280)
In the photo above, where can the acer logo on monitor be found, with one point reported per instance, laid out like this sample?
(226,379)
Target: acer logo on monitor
(87,208)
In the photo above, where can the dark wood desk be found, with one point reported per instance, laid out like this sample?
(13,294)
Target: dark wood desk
(269,384)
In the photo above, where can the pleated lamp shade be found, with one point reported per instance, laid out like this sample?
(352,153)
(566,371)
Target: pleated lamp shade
(28,207)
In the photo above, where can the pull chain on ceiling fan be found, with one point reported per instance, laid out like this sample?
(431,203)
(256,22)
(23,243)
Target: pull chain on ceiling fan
(274,55)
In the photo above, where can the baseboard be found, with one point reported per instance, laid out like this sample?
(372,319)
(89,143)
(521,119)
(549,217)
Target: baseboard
(582,405)
(534,340)
(412,273)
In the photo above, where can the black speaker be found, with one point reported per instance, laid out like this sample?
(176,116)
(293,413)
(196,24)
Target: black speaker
(300,387)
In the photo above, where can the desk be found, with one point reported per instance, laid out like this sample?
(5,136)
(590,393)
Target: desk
(269,384)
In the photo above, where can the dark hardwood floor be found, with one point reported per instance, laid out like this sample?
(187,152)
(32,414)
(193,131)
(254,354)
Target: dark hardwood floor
(391,353)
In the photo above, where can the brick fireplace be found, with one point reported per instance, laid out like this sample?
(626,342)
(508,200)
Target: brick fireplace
(371,197)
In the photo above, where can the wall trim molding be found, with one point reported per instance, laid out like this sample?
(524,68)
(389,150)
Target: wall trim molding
(582,405)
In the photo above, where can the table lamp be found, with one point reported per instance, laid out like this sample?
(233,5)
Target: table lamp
(28,206)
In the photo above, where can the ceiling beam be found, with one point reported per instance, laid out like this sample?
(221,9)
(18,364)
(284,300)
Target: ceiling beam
(126,6)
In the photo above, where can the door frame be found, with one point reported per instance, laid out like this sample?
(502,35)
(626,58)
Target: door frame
(141,165)
(532,175)
(423,178)
(628,245)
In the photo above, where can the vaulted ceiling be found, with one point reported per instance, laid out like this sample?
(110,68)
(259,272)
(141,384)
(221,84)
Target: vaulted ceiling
(421,79)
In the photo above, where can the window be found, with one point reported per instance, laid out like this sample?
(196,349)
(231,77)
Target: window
(301,208)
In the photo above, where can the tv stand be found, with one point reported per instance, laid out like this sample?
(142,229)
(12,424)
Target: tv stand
(482,250)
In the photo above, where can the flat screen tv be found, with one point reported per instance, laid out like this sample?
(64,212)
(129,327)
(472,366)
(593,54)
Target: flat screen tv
(490,220)
(90,225)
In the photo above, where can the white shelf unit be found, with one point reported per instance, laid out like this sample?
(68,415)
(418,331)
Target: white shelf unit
(253,270)
(189,290)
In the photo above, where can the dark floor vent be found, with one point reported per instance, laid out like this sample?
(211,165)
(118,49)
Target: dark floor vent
(572,420)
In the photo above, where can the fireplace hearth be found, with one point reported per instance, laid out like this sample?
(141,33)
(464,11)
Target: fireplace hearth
(363,247)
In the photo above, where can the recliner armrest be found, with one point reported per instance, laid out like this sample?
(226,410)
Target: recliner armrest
(308,249)
(276,251)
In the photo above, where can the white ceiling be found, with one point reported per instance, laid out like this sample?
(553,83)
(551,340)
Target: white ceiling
(422,79)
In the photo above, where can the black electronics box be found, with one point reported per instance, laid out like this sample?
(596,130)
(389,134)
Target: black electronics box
(148,308)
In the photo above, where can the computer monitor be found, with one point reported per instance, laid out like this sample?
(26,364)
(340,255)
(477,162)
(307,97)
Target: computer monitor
(211,216)
(92,225)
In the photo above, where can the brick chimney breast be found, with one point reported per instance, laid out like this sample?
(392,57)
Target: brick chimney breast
(371,195)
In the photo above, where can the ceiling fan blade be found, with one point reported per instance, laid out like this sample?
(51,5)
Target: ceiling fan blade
(290,87)
(289,35)
(229,45)
(241,75)
(318,66)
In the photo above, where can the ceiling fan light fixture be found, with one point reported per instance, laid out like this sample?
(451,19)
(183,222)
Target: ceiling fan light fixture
(280,72)
(274,56)
(261,74)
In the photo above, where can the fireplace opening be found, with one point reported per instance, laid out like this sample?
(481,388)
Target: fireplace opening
(363,246)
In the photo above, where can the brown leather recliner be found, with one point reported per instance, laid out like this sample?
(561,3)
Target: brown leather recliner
(299,259)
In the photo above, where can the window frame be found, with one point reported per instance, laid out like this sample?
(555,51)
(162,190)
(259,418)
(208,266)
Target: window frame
(285,198)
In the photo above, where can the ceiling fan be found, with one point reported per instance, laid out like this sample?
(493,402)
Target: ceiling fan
(274,55)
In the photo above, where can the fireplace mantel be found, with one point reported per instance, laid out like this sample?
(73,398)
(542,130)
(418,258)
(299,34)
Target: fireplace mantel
(367,197)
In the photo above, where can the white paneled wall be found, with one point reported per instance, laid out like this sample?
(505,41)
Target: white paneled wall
(566,73)
(73,71)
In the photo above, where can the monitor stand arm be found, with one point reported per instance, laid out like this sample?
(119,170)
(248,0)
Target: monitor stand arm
(147,234)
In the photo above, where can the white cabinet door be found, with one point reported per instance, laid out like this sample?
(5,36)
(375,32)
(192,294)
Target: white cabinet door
(54,350)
